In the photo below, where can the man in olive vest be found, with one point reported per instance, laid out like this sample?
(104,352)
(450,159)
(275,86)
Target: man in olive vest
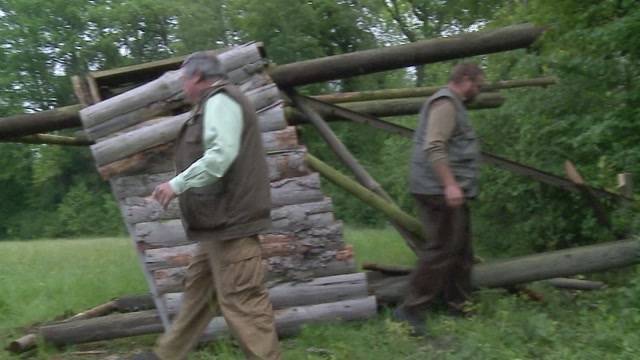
(224,195)
(444,174)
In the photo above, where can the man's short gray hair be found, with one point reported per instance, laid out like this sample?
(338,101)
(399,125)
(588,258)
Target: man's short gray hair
(206,64)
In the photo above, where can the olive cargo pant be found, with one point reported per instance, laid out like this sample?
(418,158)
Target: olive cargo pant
(224,276)
(443,272)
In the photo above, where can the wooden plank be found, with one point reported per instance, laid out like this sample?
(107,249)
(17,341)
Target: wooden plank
(81,90)
(598,209)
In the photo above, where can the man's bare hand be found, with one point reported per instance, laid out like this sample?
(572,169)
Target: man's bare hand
(453,195)
(163,194)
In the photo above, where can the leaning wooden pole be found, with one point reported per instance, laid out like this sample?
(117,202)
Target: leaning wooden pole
(394,57)
(365,195)
(548,265)
(415,242)
(332,110)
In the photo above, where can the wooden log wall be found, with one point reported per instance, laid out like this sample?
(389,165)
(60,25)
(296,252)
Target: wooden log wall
(134,133)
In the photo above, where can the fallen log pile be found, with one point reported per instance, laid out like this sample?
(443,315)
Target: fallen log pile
(327,299)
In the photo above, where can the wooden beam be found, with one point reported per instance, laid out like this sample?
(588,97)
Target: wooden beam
(415,242)
(394,57)
(601,214)
(424,92)
(49,139)
(495,160)
(367,196)
(43,121)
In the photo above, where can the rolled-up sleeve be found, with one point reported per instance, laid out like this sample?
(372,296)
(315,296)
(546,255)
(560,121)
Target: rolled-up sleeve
(222,132)
(442,122)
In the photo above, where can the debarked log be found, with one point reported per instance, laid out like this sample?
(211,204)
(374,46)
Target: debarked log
(148,322)
(165,87)
(163,107)
(548,265)
(394,57)
(165,131)
(289,219)
(40,122)
(160,158)
(392,107)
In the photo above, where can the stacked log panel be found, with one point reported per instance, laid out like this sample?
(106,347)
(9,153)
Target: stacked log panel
(134,134)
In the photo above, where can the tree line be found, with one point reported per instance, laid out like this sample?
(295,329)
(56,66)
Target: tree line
(590,117)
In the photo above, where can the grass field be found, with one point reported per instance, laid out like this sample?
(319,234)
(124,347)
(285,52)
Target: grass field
(45,279)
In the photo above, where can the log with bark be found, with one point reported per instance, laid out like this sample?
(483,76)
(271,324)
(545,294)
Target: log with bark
(553,264)
(288,321)
(277,270)
(157,91)
(320,290)
(286,219)
(288,191)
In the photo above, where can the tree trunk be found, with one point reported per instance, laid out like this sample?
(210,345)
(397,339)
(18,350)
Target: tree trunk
(288,322)
(159,224)
(394,57)
(367,196)
(553,264)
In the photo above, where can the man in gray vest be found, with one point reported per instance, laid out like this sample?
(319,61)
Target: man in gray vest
(444,175)
(224,194)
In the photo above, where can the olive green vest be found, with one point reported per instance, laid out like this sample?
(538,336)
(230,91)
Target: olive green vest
(239,203)
(463,152)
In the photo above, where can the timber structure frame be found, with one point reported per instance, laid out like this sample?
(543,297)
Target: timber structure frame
(132,115)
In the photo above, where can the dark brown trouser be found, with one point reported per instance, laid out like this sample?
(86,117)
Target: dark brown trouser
(444,270)
(224,277)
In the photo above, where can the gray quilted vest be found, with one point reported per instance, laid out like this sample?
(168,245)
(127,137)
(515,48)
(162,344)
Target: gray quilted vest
(463,152)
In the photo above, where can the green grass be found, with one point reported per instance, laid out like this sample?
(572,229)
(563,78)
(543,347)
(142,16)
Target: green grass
(44,279)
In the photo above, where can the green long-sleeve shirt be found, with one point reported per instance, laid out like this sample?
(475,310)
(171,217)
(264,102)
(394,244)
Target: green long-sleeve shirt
(221,135)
